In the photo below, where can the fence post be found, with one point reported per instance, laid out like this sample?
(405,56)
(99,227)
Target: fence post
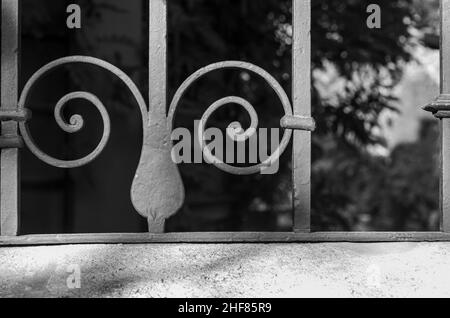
(9,139)
(441,109)
(301,77)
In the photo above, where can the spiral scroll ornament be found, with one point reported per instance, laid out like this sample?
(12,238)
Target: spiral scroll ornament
(157,191)
(76,122)
(235,129)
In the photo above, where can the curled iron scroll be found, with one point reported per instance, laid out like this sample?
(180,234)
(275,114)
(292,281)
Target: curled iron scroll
(235,128)
(76,122)
(155,203)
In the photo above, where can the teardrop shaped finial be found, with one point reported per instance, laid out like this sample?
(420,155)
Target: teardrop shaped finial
(158,191)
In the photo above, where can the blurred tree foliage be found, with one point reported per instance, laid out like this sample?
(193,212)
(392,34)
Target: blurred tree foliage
(354,70)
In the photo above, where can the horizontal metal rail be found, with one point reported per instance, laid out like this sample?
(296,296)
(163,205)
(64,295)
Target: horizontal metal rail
(226,237)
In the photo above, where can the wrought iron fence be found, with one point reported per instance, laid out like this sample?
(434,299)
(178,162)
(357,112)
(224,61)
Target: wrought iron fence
(157,191)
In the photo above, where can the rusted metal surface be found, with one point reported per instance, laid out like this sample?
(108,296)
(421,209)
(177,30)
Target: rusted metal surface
(157,192)
(9,140)
(441,109)
(301,82)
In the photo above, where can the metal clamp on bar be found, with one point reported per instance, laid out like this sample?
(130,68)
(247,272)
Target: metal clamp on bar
(298,123)
(11,142)
(440,107)
(15,115)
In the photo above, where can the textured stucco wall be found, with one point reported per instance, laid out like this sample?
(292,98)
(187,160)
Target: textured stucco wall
(278,270)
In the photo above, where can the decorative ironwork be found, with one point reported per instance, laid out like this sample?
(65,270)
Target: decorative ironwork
(238,132)
(156,203)
(157,192)
(15,115)
(440,107)
(12,141)
(76,121)
(298,123)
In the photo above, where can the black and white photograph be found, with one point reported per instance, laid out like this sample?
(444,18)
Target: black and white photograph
(225,154)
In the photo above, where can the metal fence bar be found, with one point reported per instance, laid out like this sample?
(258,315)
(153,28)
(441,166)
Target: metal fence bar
(158,91)
(158,58)
(225,237)
(301,77)
(445,121)
(9,160)
(441,109)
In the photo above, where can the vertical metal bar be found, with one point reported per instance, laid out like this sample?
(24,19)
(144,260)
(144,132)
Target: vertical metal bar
(301,77)
(157,86)
(9,160)
(445,176)
(158,57)
(445,121)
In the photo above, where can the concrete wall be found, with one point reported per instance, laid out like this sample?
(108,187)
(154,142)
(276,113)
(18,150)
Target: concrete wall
(296,270)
